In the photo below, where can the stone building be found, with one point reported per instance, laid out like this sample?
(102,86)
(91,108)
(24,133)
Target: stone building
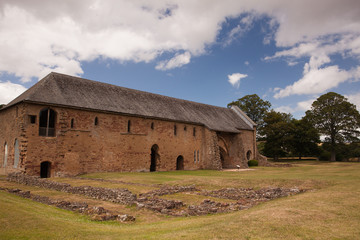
(66,125)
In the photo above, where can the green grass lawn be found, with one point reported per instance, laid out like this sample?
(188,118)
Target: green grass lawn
(329,210)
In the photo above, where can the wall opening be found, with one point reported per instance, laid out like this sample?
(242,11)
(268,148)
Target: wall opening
(248,155)
(5,154)
(180,163)
(154,157)
(152,126)
(16,153)
(129,126)
(175,130)
(96,121)
(224,157)
(47,121)
(45,169)
(72,123)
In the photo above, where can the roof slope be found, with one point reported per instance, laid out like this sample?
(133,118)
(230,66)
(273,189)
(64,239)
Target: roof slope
(65,90)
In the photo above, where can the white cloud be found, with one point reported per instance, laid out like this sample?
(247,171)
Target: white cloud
(235,78)
(42,36)
(316,80)
(354,99)
(305,105)
(9,91)
(175,62)
(285,109)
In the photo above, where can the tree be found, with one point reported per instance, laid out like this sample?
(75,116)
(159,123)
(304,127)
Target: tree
(254,107)
(335,118)
(277,133)
(303,138)
(1,106)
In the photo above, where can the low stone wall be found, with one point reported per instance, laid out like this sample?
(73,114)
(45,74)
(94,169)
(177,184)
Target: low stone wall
(96,213)
(118,195)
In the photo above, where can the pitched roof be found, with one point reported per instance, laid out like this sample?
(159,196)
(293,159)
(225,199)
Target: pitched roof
(64,90)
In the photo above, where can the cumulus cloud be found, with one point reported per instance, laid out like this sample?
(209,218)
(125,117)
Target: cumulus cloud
(175,62)
(354,99)
(42,36)
(9,91)
(234,79)
(317,79)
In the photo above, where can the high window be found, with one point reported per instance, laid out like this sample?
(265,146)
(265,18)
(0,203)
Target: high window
(72,123)
(47,121)
(129,126)
(194,132)
(175,130)
(96,121)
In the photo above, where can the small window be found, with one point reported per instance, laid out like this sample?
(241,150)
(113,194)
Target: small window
(198,156)
(175,130)
(152,126)
(96,121)
(194,132)
(32,119)
(129,126)
(72,123)
(195,156)
(185,128)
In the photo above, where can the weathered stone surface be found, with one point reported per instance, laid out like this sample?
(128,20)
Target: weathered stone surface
(166,190)
(96,213)
(118,195)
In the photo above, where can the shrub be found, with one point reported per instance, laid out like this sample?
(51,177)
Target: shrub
(253,163)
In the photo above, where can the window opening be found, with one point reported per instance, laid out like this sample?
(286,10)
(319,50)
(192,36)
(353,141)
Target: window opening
(32,119)
(96,121)
(16,153)
(198,156)
(195,156)
(5,154)
(152,126)
(72,123)
(185,128)
(175,130)
(47,123)
(129,126)
(194,132)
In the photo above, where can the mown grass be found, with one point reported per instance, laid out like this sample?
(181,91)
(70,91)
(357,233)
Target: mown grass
(331,210)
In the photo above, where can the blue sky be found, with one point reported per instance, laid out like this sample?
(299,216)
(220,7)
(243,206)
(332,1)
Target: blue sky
(213,52)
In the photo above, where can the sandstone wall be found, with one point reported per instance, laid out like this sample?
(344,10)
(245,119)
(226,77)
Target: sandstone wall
(12,128)
(108,146)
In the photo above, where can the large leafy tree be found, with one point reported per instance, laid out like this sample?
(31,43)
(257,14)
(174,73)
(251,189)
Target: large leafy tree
(303,138)
(335,118)
(254,107)
(276,130)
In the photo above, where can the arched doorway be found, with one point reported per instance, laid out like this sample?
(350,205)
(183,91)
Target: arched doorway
(248,155)
(180,163)
(154,157)
(224,157)
(45,169)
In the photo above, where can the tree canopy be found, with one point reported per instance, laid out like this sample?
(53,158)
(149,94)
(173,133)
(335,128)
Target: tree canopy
(335,118)
(254,107)
(277,133)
